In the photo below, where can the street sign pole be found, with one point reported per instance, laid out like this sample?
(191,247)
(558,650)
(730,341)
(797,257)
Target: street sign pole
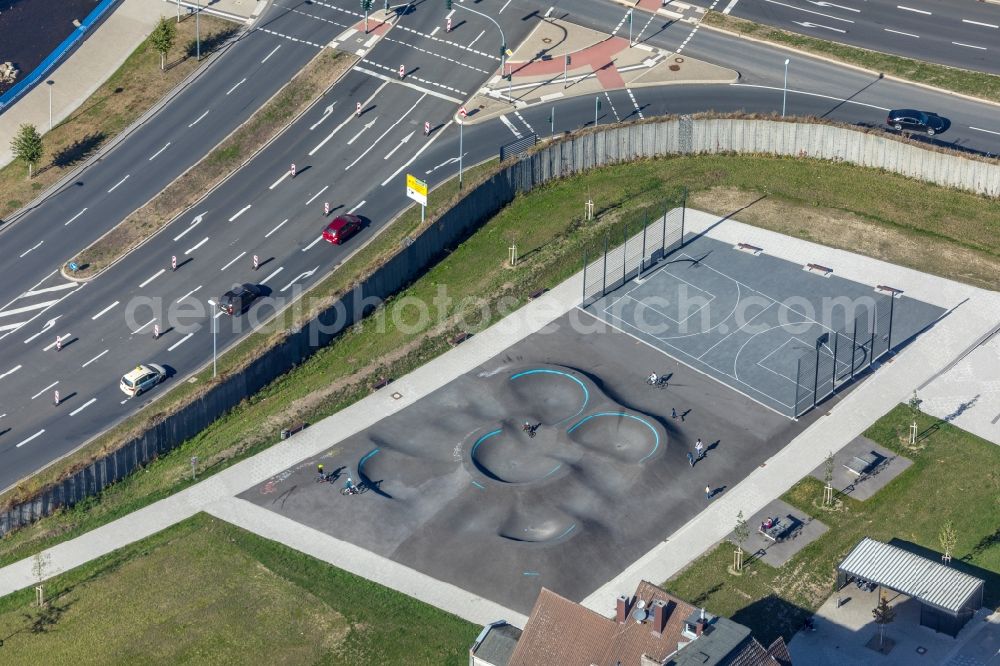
(461,128)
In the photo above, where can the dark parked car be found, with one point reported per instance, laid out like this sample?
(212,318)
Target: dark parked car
(239,298)
(913,120)
(342,228)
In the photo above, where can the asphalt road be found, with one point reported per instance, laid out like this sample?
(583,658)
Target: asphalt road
(959,33)
(357,164)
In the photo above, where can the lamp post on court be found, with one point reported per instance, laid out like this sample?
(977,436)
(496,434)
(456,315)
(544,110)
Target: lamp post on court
(50,83)
(784,90)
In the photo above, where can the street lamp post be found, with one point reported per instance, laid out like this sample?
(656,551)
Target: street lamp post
(214,331)
(461,131)
(630,28)
(784,90)
(197,31)
(50,83)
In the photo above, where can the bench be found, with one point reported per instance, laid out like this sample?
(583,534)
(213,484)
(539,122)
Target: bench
(825,271)
(886,289)
(747,247)
(382,383)
(860,465)
(460,338)
(536,294)
(288,432)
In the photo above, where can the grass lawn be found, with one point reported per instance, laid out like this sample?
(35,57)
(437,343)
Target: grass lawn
(955,476)
(136,86)
(206,592)
(967,82)
(551,237)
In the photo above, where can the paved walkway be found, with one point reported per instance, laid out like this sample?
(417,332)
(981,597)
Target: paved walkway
(891,384)
(102,52)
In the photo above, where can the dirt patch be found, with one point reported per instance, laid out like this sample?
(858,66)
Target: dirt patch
(852,232)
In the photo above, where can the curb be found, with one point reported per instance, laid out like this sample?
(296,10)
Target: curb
(124,134)
(250,158)
(858,68)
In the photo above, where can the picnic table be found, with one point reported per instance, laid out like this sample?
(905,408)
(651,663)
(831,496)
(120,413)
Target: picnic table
(859,465)
(778,530)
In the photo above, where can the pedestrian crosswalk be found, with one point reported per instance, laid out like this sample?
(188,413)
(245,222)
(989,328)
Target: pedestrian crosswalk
(21,310)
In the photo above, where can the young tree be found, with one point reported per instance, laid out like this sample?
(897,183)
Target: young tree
(741,533)
(27,145)
(883,614)
(39,567)
(828,480)
(914,404)
(948,538)
(162,39)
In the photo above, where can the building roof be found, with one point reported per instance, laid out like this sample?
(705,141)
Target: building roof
(915,576)
(496,643)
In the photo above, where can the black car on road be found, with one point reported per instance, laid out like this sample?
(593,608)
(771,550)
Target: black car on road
(912,120)
(239,298)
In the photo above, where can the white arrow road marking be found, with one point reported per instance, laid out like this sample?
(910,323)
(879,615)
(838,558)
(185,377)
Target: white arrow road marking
(326,114)
(52,344)
(46,326)
(233,261)
(309,247)
(268,234)
(83,407)
(104,311)
(179,342)
(194,223)
(382,135)
(822,3)
(807,24)
(25,441)
(10,372)
(300,277)
(30,249)
(159,151)
(115,186)
(152,277)
(280,268)
(364,104)
(367,126)
(450,160)
(95,358)
(313,197)
(399,145)
(809,11)
(44,390)
(196,245)
(75,216)
(198,118)
(270,54)
(28,308)
(416,154)
(240,212)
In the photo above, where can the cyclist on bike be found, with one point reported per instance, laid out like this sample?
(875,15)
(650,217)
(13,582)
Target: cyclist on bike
(653,379)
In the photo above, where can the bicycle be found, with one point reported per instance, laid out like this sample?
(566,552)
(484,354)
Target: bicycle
(660,383)
(530,429)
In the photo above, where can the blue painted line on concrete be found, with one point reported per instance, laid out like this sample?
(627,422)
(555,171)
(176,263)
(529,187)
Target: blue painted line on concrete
(546,371)
(656,435)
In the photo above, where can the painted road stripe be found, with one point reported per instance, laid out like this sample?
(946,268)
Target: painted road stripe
(233,261)
(357,207)
(31,248)
(809,11)
(144,325)
(310,246)
(12,327)
(364,105)
(179,342)
(198,118)
(278,182)
(980,129)
(115,186)
(424,147)
(506,121)
(911,9)
(237,85)
(104,311)
(159,151)
(280,268)
(11,371)
(407,84)
(268,234)
(313,197)
(152,277)
(240,212)
(382,135)
(52,344)
(970,46)
(75,216)
(28,308)
(58,287)
(25,441)
(729,7)
(985,25)
(95,358)
(270,54)
(898,32)
(194,223)
(83,407)
(196,245)
(53,384)
(188,294)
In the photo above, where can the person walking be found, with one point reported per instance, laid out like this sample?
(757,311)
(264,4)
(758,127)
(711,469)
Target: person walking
(708,492)
(673,413)
(319,472)
(690,459)
(699,449)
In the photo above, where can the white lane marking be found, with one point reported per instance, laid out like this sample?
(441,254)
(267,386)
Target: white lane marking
(196,245)
(83,407)
(194,223)
(357,207)
(310,246)
(811,94)
(635,103)
(187,295)
(25,441)
(985,25)
(809,11)
(198,118)
(364,129)
(729,7)
(313,197)
(434,31)
(612,105)
(159,151)
(899,32)
(95,358)
(11,327)
(504,7)
(153,277)
(506,121)
(28,308)
(417,154)
(75,216)
(301,276)
(980,129)
(233,261)
(970,46)
(268,234)
(549,11)
(115,186)
(217,315)
(10,372)
(326,114)
(399,145)
(237,85)
(179,342)
(46,326)
(31,248)
(551,96)
(279,269)
(58,287)
(808,24)
(526,123)
(477,38)
(144,325)
(823,3)
(270,54)
(44,390)
(240,212)
(408,84)
(53,344)
(911,9)
(364,105)
(383,134)
(289,37)
(278,182)
(104,311)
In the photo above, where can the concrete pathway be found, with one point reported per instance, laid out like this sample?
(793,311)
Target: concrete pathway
(102,52)
(891,384)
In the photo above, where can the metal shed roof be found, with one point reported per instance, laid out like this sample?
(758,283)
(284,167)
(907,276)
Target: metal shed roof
(914,576)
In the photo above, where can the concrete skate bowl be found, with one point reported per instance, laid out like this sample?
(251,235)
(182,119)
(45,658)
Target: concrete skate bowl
(628,438)
(549,395)
(394,474)
(507,455)
(541,525)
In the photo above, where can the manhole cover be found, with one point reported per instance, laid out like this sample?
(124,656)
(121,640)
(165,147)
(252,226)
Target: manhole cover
(546,40)
(678,59)
(397,395)
(675,68)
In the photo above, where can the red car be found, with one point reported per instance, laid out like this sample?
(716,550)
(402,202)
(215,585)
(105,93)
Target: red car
(342,228)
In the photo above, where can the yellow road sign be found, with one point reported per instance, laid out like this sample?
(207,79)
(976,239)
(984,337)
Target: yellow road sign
(416,189)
